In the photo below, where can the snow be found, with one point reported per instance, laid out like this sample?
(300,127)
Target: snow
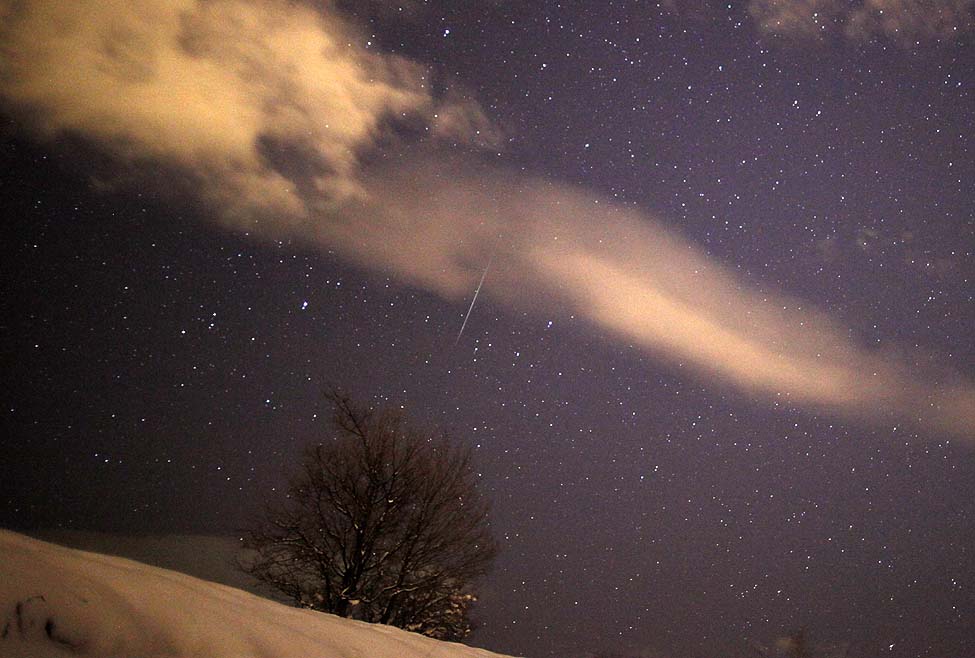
(57,602)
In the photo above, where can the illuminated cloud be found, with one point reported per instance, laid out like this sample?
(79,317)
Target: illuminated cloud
(802,18)
(565,252)
(272,109)
(232,90)
(901,21)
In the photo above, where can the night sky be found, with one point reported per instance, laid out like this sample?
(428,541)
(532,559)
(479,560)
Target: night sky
(720,377)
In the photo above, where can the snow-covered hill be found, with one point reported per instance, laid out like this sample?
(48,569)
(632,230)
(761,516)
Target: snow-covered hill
(57,602)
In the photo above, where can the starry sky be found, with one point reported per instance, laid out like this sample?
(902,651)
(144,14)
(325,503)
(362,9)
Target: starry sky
(719,376)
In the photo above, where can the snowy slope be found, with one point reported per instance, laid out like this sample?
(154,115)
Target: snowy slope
(56,601)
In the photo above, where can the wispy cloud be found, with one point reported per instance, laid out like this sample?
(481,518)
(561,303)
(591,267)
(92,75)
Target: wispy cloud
(273,109)
(901,21)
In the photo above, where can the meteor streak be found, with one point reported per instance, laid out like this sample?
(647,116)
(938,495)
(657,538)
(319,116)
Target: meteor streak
(476,293)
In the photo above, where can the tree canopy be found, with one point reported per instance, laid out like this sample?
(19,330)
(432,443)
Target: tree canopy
(383,523)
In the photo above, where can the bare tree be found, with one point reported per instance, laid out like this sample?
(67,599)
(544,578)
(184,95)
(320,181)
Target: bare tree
(383,523)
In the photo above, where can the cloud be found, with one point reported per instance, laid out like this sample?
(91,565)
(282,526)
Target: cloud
(804,18)
(565,252)
(232,90)
(902,21)
(286,120)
